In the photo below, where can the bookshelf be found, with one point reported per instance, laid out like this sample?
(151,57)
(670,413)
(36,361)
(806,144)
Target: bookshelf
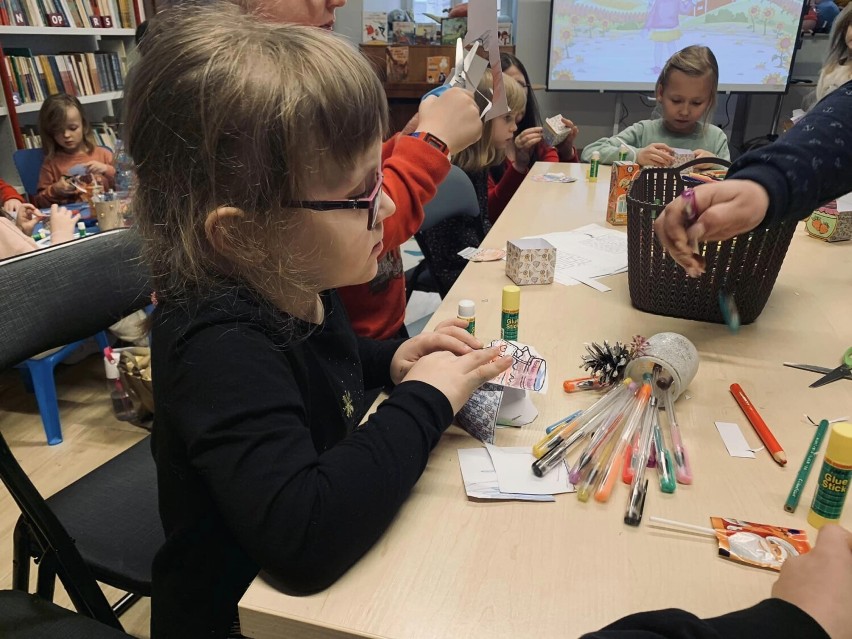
(105,47)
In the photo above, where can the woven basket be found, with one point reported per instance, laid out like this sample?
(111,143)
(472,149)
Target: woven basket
(745,266)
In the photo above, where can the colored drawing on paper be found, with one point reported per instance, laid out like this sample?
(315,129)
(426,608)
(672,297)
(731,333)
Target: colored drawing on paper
(528,370)
(479,414)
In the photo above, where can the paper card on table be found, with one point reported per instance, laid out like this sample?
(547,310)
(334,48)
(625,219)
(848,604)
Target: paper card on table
(480,478)
(514,473)
(528,370)
(479,414)
(553,177)
(516,409)
(734,440)
(482,254)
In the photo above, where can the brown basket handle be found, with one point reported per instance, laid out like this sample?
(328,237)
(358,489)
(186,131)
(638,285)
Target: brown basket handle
(697,161)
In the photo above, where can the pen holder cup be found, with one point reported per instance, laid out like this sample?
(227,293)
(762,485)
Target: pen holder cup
(745,266)
(109,215)
(674,353)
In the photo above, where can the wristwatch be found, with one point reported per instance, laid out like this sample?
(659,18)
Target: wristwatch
(432,140)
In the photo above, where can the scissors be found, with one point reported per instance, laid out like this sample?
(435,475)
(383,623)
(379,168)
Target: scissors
(468,65)
(844,371)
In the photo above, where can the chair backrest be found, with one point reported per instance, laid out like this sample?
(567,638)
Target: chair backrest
(55,543)
(455,196)
(69,292)
(28,162)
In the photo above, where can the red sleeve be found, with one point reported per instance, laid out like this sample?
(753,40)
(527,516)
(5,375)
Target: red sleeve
(546,153)
(499,193)
(412,171)
(7,192)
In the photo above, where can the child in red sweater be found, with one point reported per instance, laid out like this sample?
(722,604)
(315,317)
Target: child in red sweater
(70,151)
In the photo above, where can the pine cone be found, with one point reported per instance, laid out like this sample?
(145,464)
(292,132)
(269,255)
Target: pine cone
(606,363)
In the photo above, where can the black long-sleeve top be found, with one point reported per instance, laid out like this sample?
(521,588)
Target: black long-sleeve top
(260,464)
(808,166)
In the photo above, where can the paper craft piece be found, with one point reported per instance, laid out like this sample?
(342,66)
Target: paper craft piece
(479,414)
(760,545)
(480,478)
(482,254)
(553,177)
(516,408)
(530,261)
(832,222)
(528,370)
(482,26)
(554,131)
(682,156)
(734,441)
(514,475)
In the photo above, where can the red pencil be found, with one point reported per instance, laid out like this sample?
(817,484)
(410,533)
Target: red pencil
(760,426)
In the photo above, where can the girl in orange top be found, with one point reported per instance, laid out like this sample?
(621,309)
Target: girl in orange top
(68,142)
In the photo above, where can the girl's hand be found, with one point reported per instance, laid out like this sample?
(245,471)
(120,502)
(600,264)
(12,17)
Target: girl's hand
(525,143)
(449,336)
(457,376)
(727,209)
(96,168)
(28,217)
(566,147)
(656,154)
(63,186)
(63,223)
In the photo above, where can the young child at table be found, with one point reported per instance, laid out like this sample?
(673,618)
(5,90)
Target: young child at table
(686,98)
(257,372)
(69,146)
(837,69)
(12,200)
(530,121)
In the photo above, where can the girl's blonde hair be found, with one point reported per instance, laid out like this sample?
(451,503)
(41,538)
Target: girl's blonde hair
(696,61)
(838,51)
(52,118)
(482,154)
(226,110)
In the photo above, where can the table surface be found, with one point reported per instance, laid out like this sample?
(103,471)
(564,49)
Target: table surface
(452,567)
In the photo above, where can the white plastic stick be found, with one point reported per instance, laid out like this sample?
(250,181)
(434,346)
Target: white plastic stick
(670,523)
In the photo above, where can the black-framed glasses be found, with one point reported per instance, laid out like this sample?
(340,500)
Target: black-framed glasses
(372,203)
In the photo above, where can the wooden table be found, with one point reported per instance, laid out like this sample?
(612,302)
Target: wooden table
(450,567)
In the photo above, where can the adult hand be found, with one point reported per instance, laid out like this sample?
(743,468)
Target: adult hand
(525,143)
(62,224)
(566,147)
(453,117)
(819,582)
(96,168)
(457,376)
(449,335)
(726,208)
(656,154)
(28,217)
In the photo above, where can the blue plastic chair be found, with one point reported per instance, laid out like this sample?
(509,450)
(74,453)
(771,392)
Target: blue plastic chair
(28,162)
(37,375)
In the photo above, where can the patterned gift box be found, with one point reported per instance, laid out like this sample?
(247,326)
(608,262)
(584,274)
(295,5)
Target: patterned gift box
(530,261)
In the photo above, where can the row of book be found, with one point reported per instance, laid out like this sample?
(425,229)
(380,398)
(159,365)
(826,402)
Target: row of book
(33,78)
(104,135)
(377,30)
(106,14)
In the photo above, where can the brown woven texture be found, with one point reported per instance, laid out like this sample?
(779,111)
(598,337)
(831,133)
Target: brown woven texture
(745,266)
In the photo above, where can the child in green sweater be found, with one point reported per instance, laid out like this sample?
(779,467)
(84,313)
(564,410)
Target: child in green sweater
(686,96)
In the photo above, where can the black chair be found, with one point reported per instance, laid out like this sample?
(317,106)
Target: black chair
(25,616)
(456,198)
(106,525)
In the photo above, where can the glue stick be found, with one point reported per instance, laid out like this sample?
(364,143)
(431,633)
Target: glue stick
(467,312)
(81,229)
(622,152)
(834,477)
(594,166)
(511,310)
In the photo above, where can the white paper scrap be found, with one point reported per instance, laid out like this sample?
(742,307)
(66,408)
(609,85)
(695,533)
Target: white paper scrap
(734,440)
(514,473)
(480,478)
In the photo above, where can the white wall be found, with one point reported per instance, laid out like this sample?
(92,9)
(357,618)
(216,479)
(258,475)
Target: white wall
(594,112)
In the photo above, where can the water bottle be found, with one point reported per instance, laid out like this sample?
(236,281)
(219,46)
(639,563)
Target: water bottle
(124,178)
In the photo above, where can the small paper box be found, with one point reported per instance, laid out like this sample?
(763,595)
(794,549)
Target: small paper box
(833,222)
(622,175)
(530,261)
(553,131)
(682,156)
